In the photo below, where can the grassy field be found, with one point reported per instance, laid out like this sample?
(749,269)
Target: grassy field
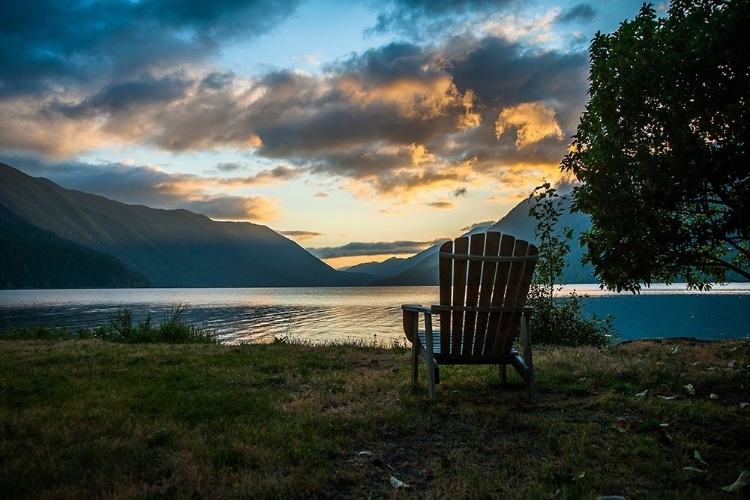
(94,419)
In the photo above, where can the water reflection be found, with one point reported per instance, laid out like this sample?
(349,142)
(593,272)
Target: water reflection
(236,315)
(365,314)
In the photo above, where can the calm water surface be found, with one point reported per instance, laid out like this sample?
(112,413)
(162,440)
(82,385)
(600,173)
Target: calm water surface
(367,313)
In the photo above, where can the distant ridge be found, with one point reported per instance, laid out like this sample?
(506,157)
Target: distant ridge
(423,268)
(170,248)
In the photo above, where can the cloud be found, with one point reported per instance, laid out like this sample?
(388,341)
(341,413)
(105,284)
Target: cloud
(228,166)
(477,225)
(357,249)
(398,121)
(578,12)
(460,192)
(222,207)
(276,175)
(300,235)
(441,205)
(150,186)
(418,19)
(50,45)
(533,122)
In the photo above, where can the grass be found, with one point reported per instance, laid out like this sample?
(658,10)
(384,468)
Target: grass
(86,419)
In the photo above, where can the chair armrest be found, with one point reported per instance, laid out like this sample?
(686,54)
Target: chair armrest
(411,320)
(417,308)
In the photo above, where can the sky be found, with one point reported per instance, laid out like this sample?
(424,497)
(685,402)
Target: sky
(360,129)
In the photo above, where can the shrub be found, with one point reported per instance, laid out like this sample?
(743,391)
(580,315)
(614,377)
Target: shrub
(121,328)
(172,331)
(558,320)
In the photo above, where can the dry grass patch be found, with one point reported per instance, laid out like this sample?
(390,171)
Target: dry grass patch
(94,419)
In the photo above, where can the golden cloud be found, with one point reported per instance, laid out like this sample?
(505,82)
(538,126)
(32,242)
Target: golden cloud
(469,119)
(533,122)
(412,97)
(420,155)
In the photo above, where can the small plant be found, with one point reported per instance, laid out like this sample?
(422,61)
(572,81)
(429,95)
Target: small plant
(122,329)
(172,331)
(558,320)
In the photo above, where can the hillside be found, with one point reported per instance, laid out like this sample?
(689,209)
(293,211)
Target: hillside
(33,258)
(171,248)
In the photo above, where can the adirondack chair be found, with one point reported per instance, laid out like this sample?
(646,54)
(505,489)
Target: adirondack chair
(484,282)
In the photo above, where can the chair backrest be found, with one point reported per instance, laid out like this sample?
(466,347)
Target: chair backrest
(484,282)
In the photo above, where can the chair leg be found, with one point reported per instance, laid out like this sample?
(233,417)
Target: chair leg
(503,369)
(414,362)
(431,371)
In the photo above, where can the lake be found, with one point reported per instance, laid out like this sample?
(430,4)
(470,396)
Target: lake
(240,315)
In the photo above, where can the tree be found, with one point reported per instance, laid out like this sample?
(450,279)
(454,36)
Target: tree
(662,148)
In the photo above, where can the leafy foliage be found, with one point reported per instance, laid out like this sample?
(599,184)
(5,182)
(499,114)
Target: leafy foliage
(558,320)
(661,148)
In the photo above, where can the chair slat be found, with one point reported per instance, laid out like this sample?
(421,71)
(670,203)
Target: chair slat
(509,326)
(459,295)
(491,248)
(507,243)
(476,247)
(446,287)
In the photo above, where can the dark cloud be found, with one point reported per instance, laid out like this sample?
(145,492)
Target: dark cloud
(356,249)
(442,205)
(217,80)
(300,235)
(578,12)
(275,175)
(46,44)
(228,166)
(502,73)
(418,19)
(462,191)
(127,97)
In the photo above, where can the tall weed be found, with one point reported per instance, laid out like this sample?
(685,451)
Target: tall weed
(558,320)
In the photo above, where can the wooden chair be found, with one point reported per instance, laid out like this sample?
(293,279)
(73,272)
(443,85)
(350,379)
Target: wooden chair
(484,282)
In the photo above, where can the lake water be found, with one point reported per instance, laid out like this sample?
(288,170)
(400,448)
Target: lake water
(367,314)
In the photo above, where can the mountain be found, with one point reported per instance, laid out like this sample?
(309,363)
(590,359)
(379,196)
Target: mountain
(518,223)
(171,248)
(388,267)
(424,266)
(33,258)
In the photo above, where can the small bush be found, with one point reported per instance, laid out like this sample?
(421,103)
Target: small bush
(562,322)
(558,320)
(121,328)
(172,331)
